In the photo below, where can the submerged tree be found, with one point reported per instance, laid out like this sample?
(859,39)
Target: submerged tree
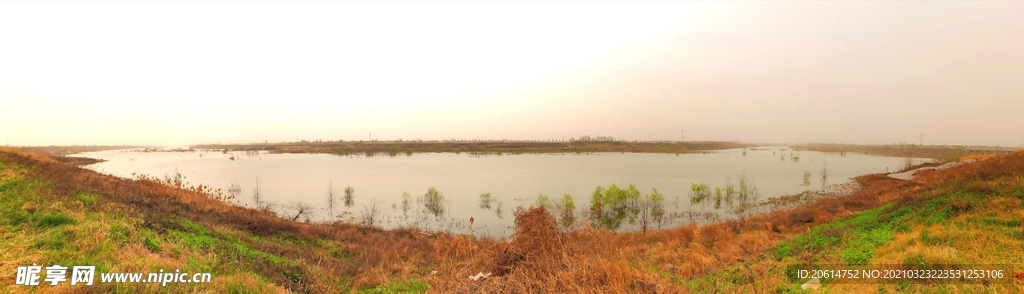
(698,194)
(235,190)
(257,194)
(257,199)
(824,173)
(497,210)
(730,191)
(485,200)
(718,197)
(609,207)
(349,196)
(652,210)
(406,205)
(370,213)
(433,202)
(566,208)
(331,199)
(739,198)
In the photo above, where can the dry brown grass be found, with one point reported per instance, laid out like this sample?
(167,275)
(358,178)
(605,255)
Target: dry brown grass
(541,259)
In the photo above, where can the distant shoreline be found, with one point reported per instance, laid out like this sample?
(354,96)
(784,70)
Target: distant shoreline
(77,161)
(487,147)
(55,151)
(940,153)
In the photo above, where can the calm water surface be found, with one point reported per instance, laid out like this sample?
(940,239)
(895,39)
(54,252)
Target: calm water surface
(513,180)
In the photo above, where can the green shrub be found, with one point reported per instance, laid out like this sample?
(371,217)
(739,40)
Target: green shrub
(783,250)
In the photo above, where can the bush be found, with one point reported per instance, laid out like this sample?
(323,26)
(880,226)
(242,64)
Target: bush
(535,241)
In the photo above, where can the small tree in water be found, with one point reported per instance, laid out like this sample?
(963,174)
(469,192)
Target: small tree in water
(485,201)
(566,212)
(609,207)
(405,204)
(652,210)
(741,199)
(698,194)
(433,202)
(349,195)
(331,199)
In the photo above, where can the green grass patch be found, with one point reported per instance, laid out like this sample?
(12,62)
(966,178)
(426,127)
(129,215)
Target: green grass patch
(411,286)
(88,199)
(16,218)
(200,237)
(1001,223)
(10,187)
(51,220)
(152,244)
(55,241)
(854,237)
(120,233)
(195,240)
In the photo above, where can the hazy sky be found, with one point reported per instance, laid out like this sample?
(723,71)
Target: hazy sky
(173,73)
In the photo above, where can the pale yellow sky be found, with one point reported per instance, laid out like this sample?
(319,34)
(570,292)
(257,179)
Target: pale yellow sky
(175,73)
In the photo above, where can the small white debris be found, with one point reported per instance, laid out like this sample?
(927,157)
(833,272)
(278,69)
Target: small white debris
(813,284)
(479,276)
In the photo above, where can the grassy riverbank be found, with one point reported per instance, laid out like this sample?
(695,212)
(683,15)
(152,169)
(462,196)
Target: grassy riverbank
(940,153)
(61,214)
